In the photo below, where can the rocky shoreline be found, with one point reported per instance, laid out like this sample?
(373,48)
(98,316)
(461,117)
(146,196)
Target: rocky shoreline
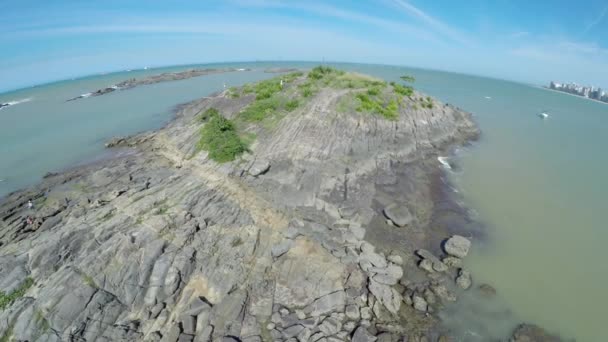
(164,77)
(328,229)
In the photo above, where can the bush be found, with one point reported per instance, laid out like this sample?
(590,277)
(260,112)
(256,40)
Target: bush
(320,72)
(403,90)
(219,138)
(206,115)
(376,106)
(266,89)
(408,78)
(258,110)
(292,105)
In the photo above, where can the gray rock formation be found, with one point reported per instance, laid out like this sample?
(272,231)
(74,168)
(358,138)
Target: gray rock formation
(457,246)
(164,244)
(464,279)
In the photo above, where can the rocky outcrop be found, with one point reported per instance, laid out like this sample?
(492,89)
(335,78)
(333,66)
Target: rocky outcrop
(164,77)
(163,244)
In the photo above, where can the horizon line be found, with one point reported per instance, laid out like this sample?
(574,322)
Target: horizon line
(117,71)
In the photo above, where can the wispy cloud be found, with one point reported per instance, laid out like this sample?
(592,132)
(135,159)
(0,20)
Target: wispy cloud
(597,20)
(435,24)
(324,10)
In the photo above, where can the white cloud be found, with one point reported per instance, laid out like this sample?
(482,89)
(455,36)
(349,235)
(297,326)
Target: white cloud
(432,22)
(597,20)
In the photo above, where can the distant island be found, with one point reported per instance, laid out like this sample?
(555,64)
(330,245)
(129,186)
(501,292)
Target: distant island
(585,91)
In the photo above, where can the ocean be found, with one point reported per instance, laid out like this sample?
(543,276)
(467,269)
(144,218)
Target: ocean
(537,186)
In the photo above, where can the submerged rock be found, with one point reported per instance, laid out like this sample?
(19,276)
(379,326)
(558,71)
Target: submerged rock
(532,333)
(398,214)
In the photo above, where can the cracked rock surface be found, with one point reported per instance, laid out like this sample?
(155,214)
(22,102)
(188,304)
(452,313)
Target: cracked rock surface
(289,243)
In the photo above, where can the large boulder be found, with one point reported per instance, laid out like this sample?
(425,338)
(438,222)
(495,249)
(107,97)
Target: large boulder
(398,214)
(457,246)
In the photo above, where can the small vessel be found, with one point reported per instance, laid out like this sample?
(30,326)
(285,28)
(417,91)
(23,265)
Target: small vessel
(543,115)
(488,97)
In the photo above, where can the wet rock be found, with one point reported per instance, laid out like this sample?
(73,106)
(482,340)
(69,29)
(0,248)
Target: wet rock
(443,293)
(451,261)
(532,333)
(457,246)
(398,214)
(427,265)
(362,335)
(487,290)
(464,279)
(432,264)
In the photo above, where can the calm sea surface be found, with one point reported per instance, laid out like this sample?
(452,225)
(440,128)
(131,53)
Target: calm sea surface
(539,186)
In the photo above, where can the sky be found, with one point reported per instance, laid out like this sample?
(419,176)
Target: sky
(522,40)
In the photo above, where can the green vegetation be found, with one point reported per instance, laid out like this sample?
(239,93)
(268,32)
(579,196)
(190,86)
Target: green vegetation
(208,114)
(7,334)
(402,90)
(7,299)
(237,241)
(388,109)
(320,72)
(427,103)
(220,139)
(290,106)
(408,78)
(258,110)
(89,281)
(44,324)
(307,89)
(233,93)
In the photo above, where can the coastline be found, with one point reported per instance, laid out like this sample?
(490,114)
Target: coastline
(566,93)
(261,207)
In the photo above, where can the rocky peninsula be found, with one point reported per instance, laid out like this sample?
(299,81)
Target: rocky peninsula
(164,77)
(308,207)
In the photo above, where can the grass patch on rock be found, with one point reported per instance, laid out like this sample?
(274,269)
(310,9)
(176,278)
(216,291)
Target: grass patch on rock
(7,299)
(220,139)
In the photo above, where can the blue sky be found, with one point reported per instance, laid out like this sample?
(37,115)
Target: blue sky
(524,40)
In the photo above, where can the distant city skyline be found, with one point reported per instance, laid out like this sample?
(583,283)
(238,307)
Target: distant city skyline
(526,41)
(590,92)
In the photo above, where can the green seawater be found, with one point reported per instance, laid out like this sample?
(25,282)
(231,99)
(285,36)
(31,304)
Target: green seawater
(538,186)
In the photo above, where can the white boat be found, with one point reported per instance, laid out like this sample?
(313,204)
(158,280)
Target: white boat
(543,115)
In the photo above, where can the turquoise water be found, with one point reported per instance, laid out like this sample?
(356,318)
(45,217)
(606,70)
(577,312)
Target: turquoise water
(48,134)
(537,185)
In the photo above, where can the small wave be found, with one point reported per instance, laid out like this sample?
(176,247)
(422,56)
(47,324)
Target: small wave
(488,97)
(85,95)
(444,162)
(16,102)
(12,103)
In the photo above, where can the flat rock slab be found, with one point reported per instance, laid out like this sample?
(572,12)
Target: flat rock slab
(400,215)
